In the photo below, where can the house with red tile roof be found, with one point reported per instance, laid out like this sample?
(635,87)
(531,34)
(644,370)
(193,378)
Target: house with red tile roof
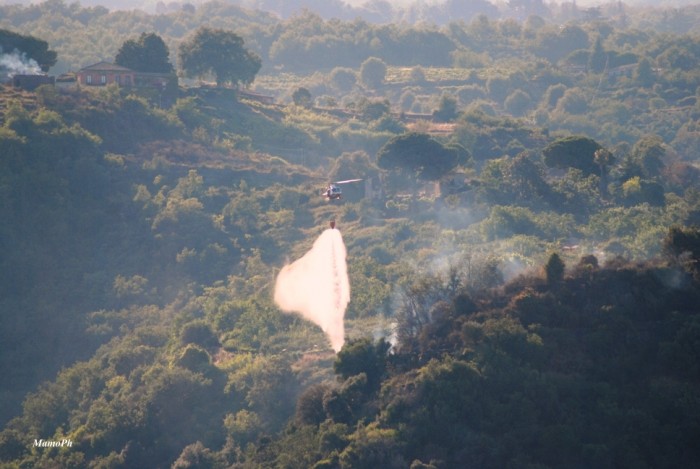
(105,73)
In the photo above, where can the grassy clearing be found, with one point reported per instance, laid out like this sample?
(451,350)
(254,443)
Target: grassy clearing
(432,74)
(283,82)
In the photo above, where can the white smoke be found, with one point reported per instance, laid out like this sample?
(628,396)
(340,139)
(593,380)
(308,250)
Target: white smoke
(17,63)
(316,286)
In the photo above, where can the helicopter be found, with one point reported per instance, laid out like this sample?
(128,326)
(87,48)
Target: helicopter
(333,191)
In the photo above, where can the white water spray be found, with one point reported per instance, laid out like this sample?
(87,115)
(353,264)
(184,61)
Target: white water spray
(316,286)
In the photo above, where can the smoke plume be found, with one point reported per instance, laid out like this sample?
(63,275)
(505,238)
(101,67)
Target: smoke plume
(316,286)
(17,63)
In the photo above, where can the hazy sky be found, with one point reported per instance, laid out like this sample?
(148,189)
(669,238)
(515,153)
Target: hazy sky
(578,2)
(149,5)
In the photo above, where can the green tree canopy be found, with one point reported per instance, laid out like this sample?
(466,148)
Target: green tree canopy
(148,53)
(554,269)
(603,158)
(447,109)
(372,109)
(572,152)
(682,246)
(373,72)
(555,44)
(342,79)
(421,154)
(363,356)
(302,97)
(648,152)
(220,53)
(644,73)
(518,102)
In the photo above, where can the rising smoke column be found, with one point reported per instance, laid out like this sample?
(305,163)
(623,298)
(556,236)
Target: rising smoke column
(17,63)
(316,286)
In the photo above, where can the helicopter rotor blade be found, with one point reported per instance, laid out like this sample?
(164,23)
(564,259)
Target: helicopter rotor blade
(346,181)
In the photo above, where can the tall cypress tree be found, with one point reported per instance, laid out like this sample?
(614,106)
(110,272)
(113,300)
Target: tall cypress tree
(598,58)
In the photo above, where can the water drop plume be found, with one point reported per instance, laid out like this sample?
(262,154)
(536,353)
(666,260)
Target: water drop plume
(316,286)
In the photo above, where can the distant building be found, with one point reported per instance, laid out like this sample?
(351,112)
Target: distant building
(31,82)
(67,81)
(152,80)
(106,73)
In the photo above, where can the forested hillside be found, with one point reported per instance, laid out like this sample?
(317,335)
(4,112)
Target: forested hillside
(523,249)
